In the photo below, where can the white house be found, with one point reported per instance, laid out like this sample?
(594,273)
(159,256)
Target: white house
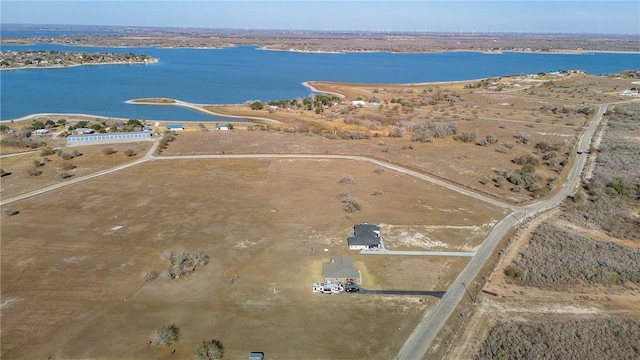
(358,102)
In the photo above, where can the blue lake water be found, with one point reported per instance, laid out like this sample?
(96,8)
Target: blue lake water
(240,74)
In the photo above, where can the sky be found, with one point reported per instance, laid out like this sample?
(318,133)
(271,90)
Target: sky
(533,16)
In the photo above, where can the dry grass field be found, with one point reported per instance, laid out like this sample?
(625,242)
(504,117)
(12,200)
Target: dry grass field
(74,261)
(87,160)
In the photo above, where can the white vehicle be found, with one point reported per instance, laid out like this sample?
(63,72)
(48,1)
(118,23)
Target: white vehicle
(327,288)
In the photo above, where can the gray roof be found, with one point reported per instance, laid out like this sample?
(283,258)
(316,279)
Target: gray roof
(340,267)
(365,228)
(365,234)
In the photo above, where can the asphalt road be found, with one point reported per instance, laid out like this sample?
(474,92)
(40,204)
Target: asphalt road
(426,331)
(438,294)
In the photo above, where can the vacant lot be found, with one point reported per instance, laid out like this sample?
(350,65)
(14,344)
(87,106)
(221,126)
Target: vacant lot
(72,260)
(36,170)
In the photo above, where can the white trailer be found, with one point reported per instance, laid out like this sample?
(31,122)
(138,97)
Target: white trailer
(327,288)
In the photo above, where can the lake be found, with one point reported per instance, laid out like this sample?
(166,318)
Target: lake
(240,74)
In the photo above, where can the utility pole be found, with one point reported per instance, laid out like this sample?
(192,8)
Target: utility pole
(468,293)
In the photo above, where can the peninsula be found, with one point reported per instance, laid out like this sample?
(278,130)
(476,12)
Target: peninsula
(11,60)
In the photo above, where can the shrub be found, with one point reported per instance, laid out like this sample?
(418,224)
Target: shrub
(149,275)
(183,264)
(209,350)
(347,179)
(600,338)
(556,258)
(130,152)
(47,151)
(523,137)
(108,151)
(37,163)
(397,132)
(424,135)
(512,271)
(67,166)
(487,140)
(466,137)
(165,335)
(65,175)
(442,129)
(546,145)
(11,212)
(34,172)
(350,204)
(526,160)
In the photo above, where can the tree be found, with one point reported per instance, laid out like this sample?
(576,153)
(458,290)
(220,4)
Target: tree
(256,105)
(209,350)
(36,125)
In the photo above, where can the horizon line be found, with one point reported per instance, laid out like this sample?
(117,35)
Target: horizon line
(380,31)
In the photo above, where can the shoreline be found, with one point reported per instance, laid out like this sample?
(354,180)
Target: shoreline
(340,51)
(150,62)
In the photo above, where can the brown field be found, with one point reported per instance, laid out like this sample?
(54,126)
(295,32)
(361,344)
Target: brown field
(72,260)
(92,160)
(71,284)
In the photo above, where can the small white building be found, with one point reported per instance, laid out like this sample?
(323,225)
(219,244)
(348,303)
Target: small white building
(41,132)
(629,92)
(358,103)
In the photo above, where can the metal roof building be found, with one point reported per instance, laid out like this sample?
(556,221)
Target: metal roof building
(108,137)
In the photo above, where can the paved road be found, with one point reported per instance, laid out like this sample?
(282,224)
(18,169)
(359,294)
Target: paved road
(438,294)
(425,332)
(417,253)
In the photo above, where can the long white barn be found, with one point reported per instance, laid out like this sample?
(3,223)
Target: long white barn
(108,137)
